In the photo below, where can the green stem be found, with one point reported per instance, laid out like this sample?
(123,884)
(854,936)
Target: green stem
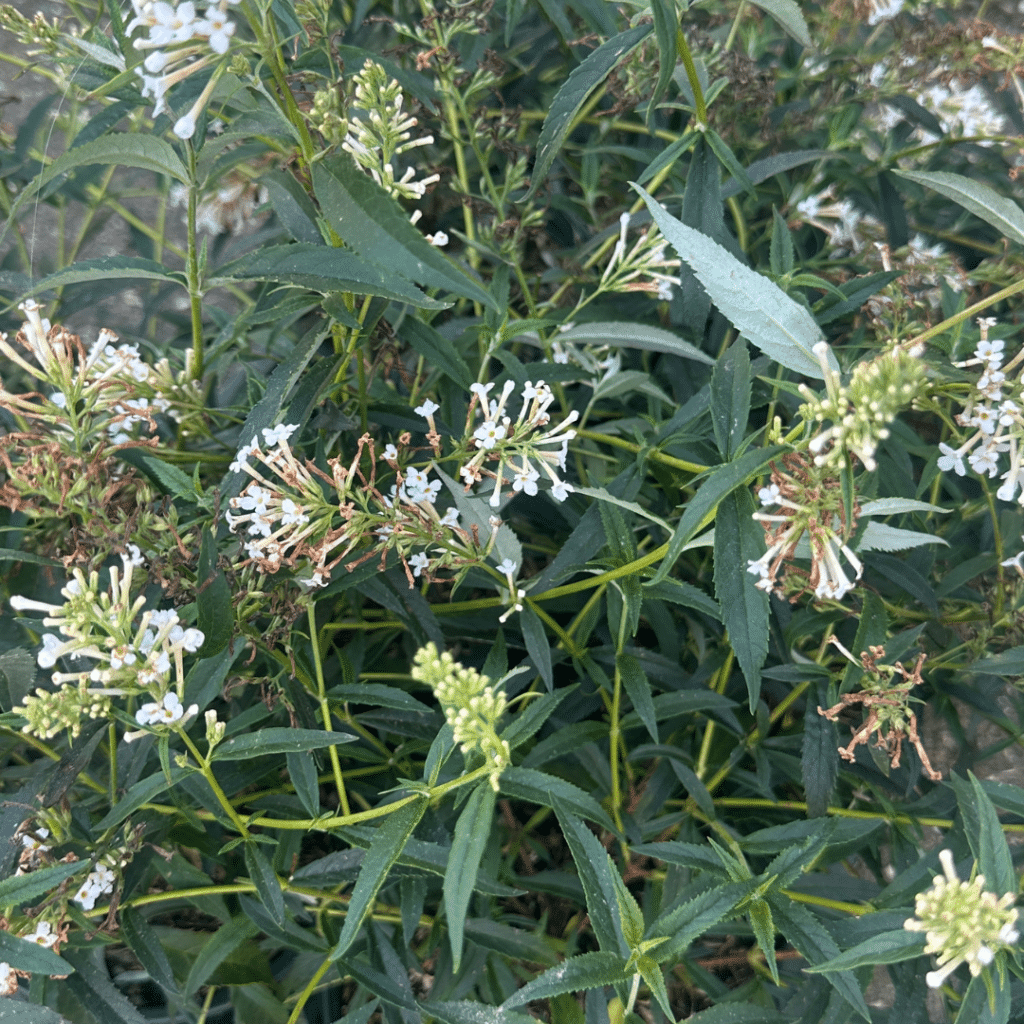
(207,773)
(613,730)
(735,26)
(653,454)
(325,710)
(966,314)
(308,990)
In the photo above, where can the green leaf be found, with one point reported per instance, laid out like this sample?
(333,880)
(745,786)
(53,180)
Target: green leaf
(14,1011)
(816,946)
(894,506)
(215,615)
(469,840)
(387,845)
(739,540)
(687,855)
(737,1013)
(1007,663)
(292,206)
(781,255)
(730,399)
(379,696)
(530,720)
(20,888)
(277,740)
(537,644)
(988,843)
(217,949)
(302,772)
(173,480)
(144,942)
(760,914)
(631,917)
(123,150)
(573,94)
(438,351)
(542,789)
(759,309)
(820,755)
(588,970)
(687,922)
(263,876)
(651,973)
(701,508)
(886,948)
(789,17)
(639,690)
(598,875)
(106,268)
(509,941)
(984,202)
(882,537)
(666,23)
(321,268)
(141,793)
(23,955)
(466,1012)
(373,225)
(975,1007)
(91,986)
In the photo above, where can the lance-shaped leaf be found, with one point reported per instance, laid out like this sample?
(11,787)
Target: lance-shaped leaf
(589,970)
(573,94)
(385,849)
(984,202)
(759,309)
(372,224)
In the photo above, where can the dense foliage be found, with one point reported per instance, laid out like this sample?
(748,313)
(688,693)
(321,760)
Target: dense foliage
(511,511)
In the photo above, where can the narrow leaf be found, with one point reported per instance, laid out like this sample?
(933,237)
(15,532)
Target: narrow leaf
(760,914)
(106,268)
(22,955)
(573,94)
(385,849)
(218,948)
(372,224)
(886,948)
(984,202)
(701,508)
(469,840)
(542,789)
(789,17)
(265,879)
(302,772)
(639,690)
(20,888)
(739,540)
(989,844)
(641,336)
(755,306)
(883,537)
(537,644)
(216,617)
(278,740)
(820,756)
(730,398)
(588,970)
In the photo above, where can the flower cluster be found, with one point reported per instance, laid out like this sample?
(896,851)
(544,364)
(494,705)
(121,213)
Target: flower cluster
(644,268)
(180,44)
(134,650)
(229,209)
(291,511)
(861,411)
(521,447)
(472,707)
(992,412)
(378,132)
(810,505)
(847,228)
(99,882)
(963,922)
(886,700)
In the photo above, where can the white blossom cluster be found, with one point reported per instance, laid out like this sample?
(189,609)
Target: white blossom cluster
(645,268)
(848,230)
(99,882)
(107,387)
(135,651)
(522,448)
(378,132)
(962,922)
(180,42)
(992,416)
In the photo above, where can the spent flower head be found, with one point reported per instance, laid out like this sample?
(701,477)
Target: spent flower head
(963,922)
(471,705)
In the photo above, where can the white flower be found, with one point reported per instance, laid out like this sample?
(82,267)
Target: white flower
(450,518)
(278,434)
(438,238)
(390,453)
(164,712)
(507,566)
(172,25)
(480,390)
(292,514)
(525,479)
(951,459)
(35,845)
(985,460)
(990,352)
(489,434)
(427,409)
(218,28)
(561,490)
(44,935)
(184,127)
(242,456)
(420,563)
(769,495)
